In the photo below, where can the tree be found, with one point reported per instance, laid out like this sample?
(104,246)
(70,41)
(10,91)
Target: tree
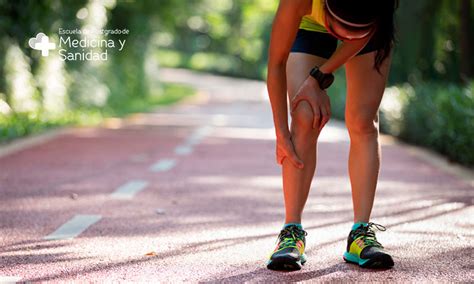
(465,40)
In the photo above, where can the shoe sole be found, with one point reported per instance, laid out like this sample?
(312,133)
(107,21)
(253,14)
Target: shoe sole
(382,261)
(286,263)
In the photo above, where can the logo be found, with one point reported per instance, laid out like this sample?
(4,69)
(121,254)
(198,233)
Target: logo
(80,44)
(41,42)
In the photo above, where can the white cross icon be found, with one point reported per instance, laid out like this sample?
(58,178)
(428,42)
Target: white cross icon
(45,46)
(41,42)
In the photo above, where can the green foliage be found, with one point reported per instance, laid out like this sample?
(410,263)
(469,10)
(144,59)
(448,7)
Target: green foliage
(202,61)
(23,124)
(81,91)
(439,116)
(428,42)
(228,37)
(168,94)
(23,19)
(337,95)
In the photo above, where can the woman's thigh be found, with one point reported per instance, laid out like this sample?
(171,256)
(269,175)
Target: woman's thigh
(298,67)
(365,88)
(309,49)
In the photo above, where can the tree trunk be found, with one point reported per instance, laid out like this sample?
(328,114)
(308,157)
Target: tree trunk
(465,40)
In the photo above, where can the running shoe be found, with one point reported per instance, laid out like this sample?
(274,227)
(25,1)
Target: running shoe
(289,252)
(364,249)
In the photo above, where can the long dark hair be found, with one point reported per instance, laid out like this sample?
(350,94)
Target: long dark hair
(385,34)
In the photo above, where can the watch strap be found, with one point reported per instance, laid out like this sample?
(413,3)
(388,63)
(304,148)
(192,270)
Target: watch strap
(324,79)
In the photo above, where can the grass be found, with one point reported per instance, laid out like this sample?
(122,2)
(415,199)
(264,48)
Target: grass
(18,125)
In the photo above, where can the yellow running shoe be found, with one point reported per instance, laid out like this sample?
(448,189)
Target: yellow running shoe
(289,252)
(364,249)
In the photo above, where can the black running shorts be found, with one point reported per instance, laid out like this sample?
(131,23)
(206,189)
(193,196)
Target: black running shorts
(322,44)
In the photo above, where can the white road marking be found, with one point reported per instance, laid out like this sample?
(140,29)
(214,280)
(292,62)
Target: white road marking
(199,134)
(74,227)
(195,137)
(183,149)
(9,279)
(129,189)
(163,165)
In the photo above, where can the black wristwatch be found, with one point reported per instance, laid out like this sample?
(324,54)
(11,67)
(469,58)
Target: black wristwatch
(324,80)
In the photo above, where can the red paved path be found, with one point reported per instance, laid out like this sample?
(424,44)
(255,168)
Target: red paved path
(223,205)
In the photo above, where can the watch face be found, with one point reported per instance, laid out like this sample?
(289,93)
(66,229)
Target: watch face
(327,81)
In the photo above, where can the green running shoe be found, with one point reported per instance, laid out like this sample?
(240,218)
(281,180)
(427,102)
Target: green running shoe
(289,252)
(364,249)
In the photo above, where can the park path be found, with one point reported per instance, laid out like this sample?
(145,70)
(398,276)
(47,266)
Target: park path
(192,193)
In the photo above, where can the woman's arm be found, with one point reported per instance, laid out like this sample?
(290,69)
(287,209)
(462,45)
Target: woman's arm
(284,29)
(345,51)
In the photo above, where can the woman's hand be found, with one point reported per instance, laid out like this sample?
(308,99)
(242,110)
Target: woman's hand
(285,148)
(317,98)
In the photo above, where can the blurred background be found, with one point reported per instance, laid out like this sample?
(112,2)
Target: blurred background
(429,100)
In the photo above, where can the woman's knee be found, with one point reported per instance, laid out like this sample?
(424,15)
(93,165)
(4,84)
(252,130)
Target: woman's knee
(362,123)
(303,119)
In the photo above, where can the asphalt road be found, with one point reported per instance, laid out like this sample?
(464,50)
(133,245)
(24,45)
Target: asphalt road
(192,193)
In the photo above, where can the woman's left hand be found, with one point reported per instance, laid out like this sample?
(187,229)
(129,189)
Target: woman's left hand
(317,98)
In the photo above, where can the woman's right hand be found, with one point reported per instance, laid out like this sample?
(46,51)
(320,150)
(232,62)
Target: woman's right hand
(317,98)
(286,149)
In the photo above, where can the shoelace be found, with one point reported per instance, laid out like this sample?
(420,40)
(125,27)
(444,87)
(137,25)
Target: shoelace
(368,234)
(290,235)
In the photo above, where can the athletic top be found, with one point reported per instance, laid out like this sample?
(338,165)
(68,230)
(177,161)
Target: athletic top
(315,20)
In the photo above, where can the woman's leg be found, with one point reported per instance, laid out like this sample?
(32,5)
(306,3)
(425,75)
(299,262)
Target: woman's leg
(297,182)
(365,87)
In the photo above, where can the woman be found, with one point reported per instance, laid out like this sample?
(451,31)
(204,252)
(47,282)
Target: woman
(304,52)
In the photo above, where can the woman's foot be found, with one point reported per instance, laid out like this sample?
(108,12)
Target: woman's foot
(289,252)
(364,249)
